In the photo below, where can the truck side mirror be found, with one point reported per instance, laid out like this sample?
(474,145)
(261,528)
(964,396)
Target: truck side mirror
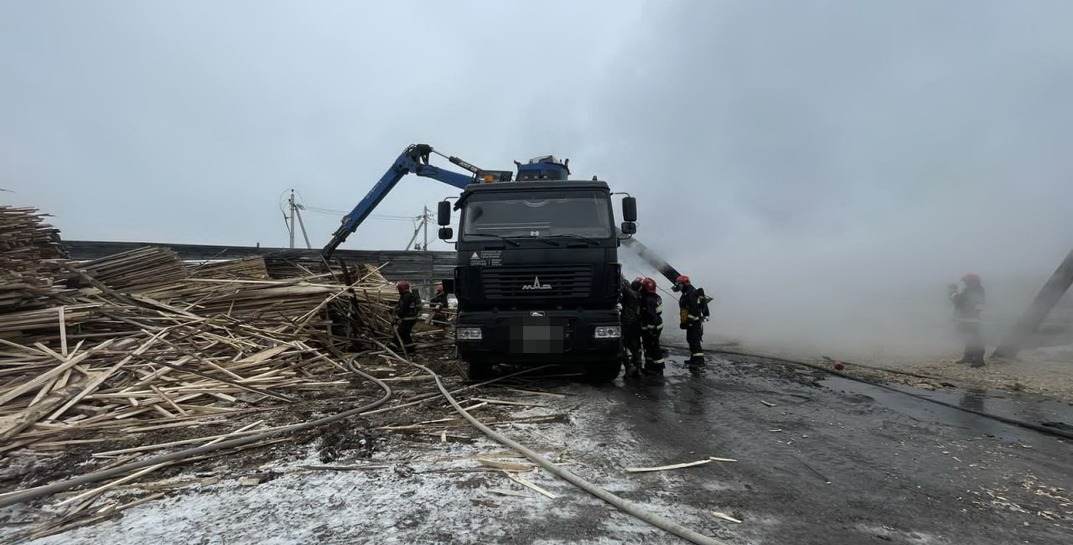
(629,209)
(628,228)
(446,233)
(443,214)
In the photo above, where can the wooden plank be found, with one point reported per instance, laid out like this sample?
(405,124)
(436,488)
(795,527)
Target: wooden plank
(63,332)
(100,378)
(55,371)
(678,466)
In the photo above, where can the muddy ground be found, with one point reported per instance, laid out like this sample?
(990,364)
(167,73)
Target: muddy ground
(819,460)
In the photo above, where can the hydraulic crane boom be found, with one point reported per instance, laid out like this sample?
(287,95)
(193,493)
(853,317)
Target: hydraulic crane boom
(414,160)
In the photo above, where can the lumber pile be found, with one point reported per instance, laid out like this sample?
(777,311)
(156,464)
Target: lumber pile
(140,339)
(96,356)
(136,270)
(375,298)
(250,268)
(184,368)
(290,266)
(27,244)
(114,360)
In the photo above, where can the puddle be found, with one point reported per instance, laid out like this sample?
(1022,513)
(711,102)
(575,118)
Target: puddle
(1028,408)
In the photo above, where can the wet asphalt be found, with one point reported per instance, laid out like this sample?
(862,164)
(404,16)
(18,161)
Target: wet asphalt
(826,460)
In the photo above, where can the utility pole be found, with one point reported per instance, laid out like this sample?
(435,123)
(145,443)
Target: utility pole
(422,225)
(302,225)
(424,222)
(290,219)
(294,211)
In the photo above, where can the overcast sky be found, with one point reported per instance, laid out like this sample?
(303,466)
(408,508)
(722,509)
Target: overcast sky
(784,151)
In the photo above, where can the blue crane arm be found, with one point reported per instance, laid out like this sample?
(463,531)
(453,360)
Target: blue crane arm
(411,161)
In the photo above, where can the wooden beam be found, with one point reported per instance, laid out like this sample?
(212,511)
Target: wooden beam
(1049,295)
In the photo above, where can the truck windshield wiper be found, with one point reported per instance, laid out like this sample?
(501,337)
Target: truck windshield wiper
(500,237)
(588,240)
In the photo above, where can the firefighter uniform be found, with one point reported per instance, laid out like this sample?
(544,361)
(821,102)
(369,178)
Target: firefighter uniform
(407,312)
(651,326)
(692,307)
(438,304)
(968,308)
(631,326)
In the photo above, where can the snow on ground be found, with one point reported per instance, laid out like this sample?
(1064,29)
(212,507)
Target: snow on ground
(427,494)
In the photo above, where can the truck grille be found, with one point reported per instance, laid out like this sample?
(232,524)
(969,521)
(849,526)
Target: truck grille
(571,281)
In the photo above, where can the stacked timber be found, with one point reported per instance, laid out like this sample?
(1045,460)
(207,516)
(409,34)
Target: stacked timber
(250,268)
(137,270)
(141,341)
(109,360)
(27,244)
(25,236)
(94,349)
(292,265)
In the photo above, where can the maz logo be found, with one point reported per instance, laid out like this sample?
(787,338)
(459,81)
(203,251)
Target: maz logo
(536,285)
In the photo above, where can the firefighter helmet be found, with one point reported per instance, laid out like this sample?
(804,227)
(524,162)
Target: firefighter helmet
(403,286)
(648,284)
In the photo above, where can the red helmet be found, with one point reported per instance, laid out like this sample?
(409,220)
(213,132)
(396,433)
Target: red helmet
(403,286)
(971,278)
(682,279)
(648,284)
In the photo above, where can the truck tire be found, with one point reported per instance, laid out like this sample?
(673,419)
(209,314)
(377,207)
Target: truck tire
(605,371)
(476,371)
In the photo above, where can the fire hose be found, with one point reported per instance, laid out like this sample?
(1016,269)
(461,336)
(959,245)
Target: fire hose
(658,521)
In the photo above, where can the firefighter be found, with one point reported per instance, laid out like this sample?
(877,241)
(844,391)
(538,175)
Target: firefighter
(651,326)
(438,303)
(631,326)
(406,315)
(693,310)
(968,300)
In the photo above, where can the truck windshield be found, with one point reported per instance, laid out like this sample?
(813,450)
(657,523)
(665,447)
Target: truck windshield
(538,214)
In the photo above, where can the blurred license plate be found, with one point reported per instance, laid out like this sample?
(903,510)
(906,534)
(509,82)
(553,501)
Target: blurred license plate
(537,339)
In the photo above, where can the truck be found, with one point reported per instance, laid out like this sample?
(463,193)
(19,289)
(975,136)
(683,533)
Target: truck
(537,276)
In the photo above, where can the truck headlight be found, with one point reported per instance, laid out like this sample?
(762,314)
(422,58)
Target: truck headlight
(607,332)
(468,334)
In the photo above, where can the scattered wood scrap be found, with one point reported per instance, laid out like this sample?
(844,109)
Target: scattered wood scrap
(725,516)
(530,485)
(678,466)
(505,465)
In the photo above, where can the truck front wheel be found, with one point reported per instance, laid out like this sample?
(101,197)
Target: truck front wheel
(478,371)
(604,371)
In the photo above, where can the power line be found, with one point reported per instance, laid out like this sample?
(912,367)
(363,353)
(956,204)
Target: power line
(332,211)
(335,211)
